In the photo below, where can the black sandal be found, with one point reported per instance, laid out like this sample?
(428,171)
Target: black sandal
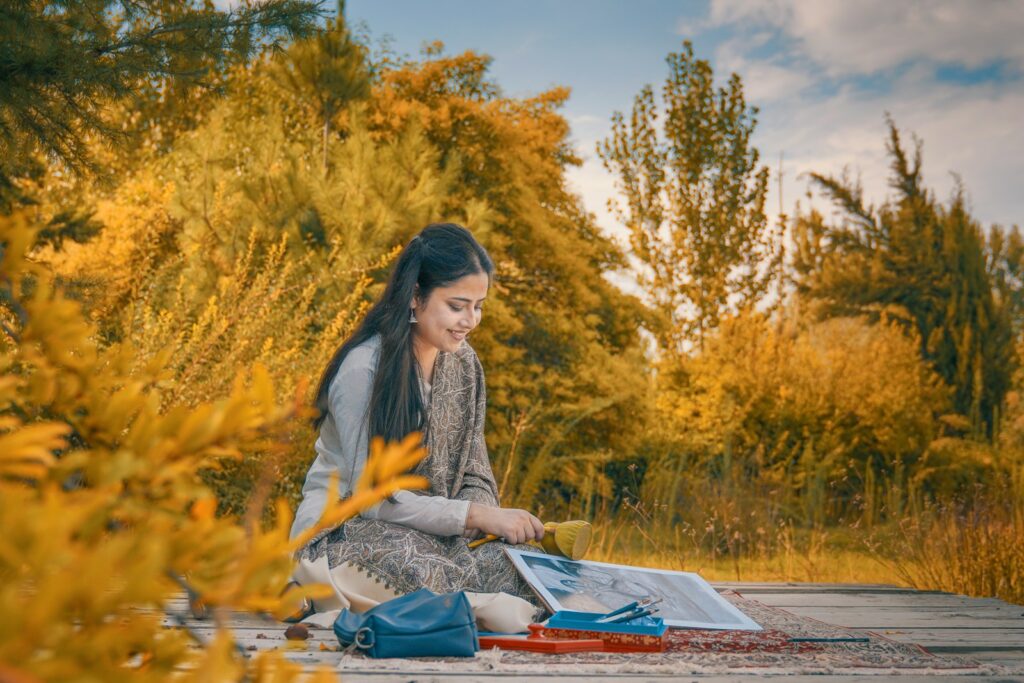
(306,609)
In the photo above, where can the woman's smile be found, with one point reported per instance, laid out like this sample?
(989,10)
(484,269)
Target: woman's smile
(448,315)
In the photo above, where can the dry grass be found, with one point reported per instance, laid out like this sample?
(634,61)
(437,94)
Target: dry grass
(816,556)
(974,548)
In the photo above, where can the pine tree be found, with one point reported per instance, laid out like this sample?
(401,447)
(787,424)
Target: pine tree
(929,265)
(693,196)
(64,63)
(329,71)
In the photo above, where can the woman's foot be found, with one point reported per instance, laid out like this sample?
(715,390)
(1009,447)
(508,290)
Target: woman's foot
(305,609)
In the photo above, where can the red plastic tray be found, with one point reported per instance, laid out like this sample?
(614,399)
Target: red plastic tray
(538,642)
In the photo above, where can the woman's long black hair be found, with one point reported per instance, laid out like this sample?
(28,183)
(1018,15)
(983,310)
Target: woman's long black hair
(438,256)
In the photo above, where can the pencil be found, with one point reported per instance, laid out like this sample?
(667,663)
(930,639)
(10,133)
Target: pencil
(828,640)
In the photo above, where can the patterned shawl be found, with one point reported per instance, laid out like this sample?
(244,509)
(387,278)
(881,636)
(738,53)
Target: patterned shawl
(455,430)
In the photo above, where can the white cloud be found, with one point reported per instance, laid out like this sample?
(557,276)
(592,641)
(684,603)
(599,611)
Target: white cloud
(819,111)
(971,130)
(596,186)
(764,82)
(868,36)
(579,120)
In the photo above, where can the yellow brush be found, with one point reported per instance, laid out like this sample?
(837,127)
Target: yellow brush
(569,539)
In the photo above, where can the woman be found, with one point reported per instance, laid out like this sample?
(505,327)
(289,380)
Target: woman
(408,367)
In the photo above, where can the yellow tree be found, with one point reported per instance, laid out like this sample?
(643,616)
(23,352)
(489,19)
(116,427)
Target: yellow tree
(560,342)
(958,284)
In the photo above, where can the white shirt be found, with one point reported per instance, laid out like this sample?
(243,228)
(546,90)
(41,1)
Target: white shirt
(343,445)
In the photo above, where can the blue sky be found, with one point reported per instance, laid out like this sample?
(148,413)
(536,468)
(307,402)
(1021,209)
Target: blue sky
(823,74)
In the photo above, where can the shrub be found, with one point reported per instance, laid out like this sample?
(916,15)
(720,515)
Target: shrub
(103,511)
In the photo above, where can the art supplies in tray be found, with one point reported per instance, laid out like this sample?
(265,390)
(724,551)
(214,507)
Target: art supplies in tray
(582,586)
(630,628)
(627,613)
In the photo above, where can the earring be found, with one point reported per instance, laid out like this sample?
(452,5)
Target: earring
(412,316)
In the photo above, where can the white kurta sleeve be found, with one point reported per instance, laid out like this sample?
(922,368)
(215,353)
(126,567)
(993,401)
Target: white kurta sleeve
(343,446)
(435,515)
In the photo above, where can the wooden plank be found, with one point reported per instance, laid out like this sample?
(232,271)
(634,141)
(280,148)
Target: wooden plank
(935,626)
(958,640)
(794,587)
(1007,641)
(434,677)
(905,617)
(311,658)
(1011,660)
(376,676)
(824,599)
(234,620)
(1004,611)
(948,640)
(909,600)
(981,628)
(268,638)
(1013,636)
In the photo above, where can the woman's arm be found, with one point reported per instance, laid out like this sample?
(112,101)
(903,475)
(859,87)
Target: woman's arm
(485,515)
(435,515)
(342,448)
(342,435)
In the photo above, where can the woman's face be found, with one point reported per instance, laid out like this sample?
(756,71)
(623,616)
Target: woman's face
(449,313)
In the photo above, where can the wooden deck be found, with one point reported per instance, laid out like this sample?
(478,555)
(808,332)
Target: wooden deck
(984,629)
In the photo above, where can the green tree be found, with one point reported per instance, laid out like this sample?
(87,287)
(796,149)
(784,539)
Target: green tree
(63,64)
(959,291)
(693,199)
(233,247)
(328,71)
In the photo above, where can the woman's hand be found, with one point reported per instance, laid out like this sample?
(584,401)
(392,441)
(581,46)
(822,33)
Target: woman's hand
(510,524)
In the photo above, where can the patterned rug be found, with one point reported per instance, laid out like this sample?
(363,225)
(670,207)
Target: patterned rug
(697,651)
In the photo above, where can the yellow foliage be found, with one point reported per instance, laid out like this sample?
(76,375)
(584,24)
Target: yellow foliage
(795,411)
(811,382)
(102,509)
